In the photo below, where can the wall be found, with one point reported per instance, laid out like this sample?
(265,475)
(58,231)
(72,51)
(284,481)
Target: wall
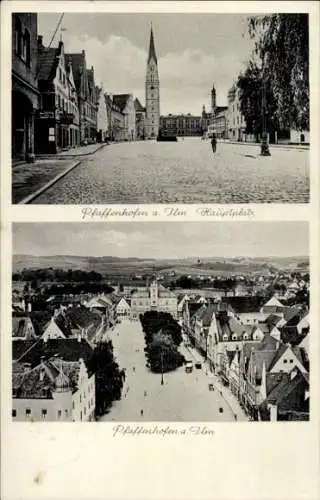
(28,73)
(295,136)
(61,402)
(83,400)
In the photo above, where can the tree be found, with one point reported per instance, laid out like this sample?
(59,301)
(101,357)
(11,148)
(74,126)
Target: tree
(282,44)
(108,376)
(250,84)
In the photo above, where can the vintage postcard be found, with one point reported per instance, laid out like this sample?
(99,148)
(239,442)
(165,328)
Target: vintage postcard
(160,250)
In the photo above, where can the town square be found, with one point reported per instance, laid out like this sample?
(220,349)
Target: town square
(211,116)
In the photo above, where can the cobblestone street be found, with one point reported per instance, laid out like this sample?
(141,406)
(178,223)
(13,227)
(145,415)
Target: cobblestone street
(185,172)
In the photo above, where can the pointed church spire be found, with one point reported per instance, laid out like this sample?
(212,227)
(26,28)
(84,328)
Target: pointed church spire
(152,50)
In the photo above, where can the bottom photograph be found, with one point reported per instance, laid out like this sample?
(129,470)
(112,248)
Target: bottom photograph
(160,322)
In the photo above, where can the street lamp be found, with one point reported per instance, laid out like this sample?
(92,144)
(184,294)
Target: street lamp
(162,381)
(264,150)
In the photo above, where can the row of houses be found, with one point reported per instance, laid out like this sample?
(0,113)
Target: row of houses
(261,354)
(52,378)
(56,103)
(229,123)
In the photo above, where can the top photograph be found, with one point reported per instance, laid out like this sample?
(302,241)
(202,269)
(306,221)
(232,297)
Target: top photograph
(114,108)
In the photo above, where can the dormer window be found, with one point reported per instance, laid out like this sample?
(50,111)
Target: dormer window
(234,337)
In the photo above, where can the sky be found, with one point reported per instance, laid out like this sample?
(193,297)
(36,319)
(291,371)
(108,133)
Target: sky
(193,50)
(167,240)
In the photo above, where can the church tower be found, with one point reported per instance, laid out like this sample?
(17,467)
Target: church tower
(152,93)
(213,101)
(154,294)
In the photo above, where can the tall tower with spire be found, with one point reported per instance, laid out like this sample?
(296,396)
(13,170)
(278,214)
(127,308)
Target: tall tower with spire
(213,101)
(152,93)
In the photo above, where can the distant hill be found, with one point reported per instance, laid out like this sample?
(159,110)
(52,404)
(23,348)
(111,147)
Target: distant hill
(114,265)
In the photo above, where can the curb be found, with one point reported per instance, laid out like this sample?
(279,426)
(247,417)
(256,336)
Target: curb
(41,190)
(257,144)
(60,156)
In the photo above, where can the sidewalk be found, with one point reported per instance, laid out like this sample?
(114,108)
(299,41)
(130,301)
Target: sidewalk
(29,180)
(301,147)
(75,152)
(227,395)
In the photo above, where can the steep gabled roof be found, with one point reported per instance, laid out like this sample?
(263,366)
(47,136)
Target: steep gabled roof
(78,63)
(67,349)
(138,106)
(120,100)
(273,302)
(48,60)
(205,314)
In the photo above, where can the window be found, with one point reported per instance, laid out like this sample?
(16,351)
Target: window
(26,55)
(291,361)
(285,360)
(28,412)
(18,36)
(14,413)
(80,398)
(51,134)
(85,410)
(81,415)
(59,414)
(43,413)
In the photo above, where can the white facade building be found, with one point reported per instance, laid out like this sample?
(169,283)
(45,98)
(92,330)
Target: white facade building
(55,390)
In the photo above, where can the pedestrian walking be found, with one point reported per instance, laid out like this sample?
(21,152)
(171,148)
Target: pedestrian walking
(214,143)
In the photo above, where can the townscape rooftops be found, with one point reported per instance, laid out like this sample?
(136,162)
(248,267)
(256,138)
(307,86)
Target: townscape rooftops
(244,304)
(273,302)
(205,314)
(289,393)
(120,100)
(81,317)
(20,325)
(67,349)
(44,379)
(272,320)
(78,65)
(48,61)
(138,106)
(260,357)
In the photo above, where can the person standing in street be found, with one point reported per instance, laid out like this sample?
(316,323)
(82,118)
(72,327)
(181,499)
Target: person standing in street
(214,142)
